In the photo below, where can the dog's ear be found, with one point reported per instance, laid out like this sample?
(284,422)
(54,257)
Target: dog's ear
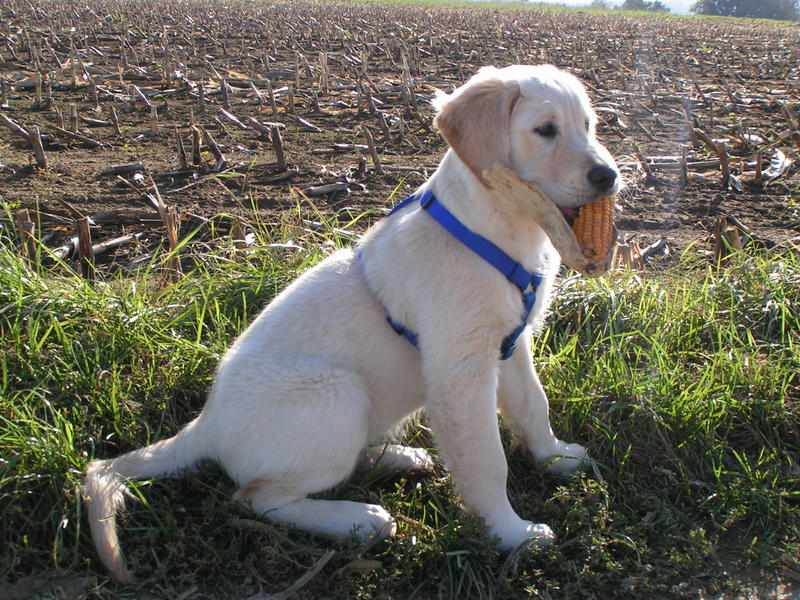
(474,120)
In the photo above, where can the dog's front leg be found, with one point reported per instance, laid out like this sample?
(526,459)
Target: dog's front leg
(462,407)
(523,404)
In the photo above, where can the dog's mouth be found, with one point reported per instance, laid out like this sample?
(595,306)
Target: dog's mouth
(570,214)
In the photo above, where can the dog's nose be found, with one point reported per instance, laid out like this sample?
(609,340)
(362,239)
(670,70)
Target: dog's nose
(602,178)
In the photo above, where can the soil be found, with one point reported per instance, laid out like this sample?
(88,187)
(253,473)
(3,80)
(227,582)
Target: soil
(660,86)
(655,82)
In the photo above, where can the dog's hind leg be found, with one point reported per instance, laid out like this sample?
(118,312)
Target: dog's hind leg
(333,518)
(303,436)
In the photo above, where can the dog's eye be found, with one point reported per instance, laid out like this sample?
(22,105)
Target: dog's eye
(548,130)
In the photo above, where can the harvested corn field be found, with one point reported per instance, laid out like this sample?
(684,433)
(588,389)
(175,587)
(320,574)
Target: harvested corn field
(239,142)
(250,108)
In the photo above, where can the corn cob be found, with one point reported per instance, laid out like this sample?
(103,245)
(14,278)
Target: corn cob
(594,228)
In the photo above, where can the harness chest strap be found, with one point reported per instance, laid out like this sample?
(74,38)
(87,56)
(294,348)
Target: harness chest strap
(526,282)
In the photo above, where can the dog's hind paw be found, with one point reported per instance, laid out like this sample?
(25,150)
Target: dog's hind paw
(567,459)
(415,459)
(523,533)
(394,456)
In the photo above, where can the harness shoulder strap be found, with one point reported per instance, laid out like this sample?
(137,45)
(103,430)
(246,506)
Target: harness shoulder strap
(406,201)
(526,282)
(488,251)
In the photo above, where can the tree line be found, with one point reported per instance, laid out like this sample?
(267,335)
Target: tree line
(784,10)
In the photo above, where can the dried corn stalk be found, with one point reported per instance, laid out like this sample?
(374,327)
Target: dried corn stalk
(530,198)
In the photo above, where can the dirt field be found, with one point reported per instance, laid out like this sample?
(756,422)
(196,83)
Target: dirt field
(665,89)
(703,117)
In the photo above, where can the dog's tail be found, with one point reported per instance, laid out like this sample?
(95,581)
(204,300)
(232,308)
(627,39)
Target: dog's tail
(104,488)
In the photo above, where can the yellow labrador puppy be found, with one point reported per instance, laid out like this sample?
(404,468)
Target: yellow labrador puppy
(425,312)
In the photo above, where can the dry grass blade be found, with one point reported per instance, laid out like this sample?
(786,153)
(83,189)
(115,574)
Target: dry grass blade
(295,587)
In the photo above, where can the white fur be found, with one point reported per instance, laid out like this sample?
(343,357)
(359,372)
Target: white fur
(319,376)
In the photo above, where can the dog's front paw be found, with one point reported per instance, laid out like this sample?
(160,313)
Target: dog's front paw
(566,459)
(522,532)
(374,521)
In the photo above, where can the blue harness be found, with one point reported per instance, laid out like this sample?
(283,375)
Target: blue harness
(526,282)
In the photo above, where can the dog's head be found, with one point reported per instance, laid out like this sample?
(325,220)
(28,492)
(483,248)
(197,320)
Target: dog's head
(537,121)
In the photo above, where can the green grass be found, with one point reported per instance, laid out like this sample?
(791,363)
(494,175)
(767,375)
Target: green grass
(684,385)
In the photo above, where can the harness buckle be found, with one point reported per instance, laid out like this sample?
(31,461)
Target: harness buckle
(427,199)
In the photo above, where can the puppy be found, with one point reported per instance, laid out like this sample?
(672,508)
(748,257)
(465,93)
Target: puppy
(322,374)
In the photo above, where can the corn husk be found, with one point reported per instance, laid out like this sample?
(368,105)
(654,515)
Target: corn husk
(529,197)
